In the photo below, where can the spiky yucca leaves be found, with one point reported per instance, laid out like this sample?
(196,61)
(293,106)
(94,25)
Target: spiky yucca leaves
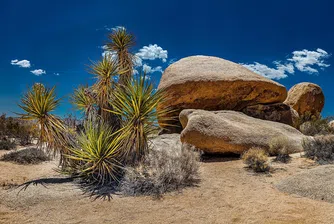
(135,103)
(105,71)
(38,103)
(120,43)
(96,154)
(84,100)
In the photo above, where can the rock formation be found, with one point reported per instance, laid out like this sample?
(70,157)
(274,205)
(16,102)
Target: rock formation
(211,83)
(232,132)
(306,98)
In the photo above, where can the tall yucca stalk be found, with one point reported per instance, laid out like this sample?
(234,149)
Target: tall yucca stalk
(84,100)
(105,71)
(96,154)
(135,103)
(38,103)
(120,44)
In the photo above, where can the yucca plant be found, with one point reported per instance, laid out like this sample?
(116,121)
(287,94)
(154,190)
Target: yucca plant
(84,100)
(96,155)
(106,71)
(120,44)
(135,102)
(38,103)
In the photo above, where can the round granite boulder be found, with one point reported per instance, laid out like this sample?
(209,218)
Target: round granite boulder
(211,83)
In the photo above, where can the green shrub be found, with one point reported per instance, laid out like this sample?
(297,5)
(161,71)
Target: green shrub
(281,147)
(26,156)
(7,145)
(319,148)
(256,159)
(162,171)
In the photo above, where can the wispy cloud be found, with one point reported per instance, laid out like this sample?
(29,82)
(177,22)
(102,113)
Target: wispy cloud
(38,72)
(279,72)
(22,63)
(148,69)
(304,61)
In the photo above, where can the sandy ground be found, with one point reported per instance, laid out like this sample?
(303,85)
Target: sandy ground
(228,193)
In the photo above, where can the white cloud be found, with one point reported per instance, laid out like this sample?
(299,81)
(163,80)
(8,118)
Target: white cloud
(280,72)
(22,63)
(152,52)
(56,73)
(148,69)
(38,72)
(303,60)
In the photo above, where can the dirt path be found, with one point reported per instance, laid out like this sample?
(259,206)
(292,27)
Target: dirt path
(227,194)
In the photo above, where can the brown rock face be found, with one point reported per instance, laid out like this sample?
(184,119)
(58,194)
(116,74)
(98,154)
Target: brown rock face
(231,131)
(278,112)
(211,83)
(306,97)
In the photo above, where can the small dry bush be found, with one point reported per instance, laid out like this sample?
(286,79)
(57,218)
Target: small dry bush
(319,148)
(281,147)
(7,145)
(26,156)
(163,170)
(256,159)
(316,127)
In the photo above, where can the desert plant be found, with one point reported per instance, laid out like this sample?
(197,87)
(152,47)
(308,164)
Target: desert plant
(161,171)
(135,103)
(96,155)
(318,126)
(319,148)
(120,44)
(6,144)
(38,103)
(281,147)
(84,101)
(256,159)
(26,156)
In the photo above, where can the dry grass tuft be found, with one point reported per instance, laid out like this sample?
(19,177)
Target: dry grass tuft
(256,159)
(281,147)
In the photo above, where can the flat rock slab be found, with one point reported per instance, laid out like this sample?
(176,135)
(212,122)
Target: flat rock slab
(232,132)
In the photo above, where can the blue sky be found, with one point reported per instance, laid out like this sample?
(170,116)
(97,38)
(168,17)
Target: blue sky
(291,41)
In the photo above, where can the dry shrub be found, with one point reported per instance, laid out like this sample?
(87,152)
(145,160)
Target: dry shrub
(316,127)
(281,147)
(7,145)
(26,156)
(256,159)
(319,148)
(163,170)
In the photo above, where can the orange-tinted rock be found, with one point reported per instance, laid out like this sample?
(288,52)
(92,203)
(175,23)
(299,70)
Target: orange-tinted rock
(306,98)
(211,83)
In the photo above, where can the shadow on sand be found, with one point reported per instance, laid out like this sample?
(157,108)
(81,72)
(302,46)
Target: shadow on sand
(92,191)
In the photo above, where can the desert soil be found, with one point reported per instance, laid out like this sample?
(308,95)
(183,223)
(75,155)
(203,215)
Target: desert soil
(227,193)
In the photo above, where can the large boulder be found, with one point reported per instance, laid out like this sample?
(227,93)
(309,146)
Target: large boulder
(232,132)
(306,98)
(211,83)
(278,112)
